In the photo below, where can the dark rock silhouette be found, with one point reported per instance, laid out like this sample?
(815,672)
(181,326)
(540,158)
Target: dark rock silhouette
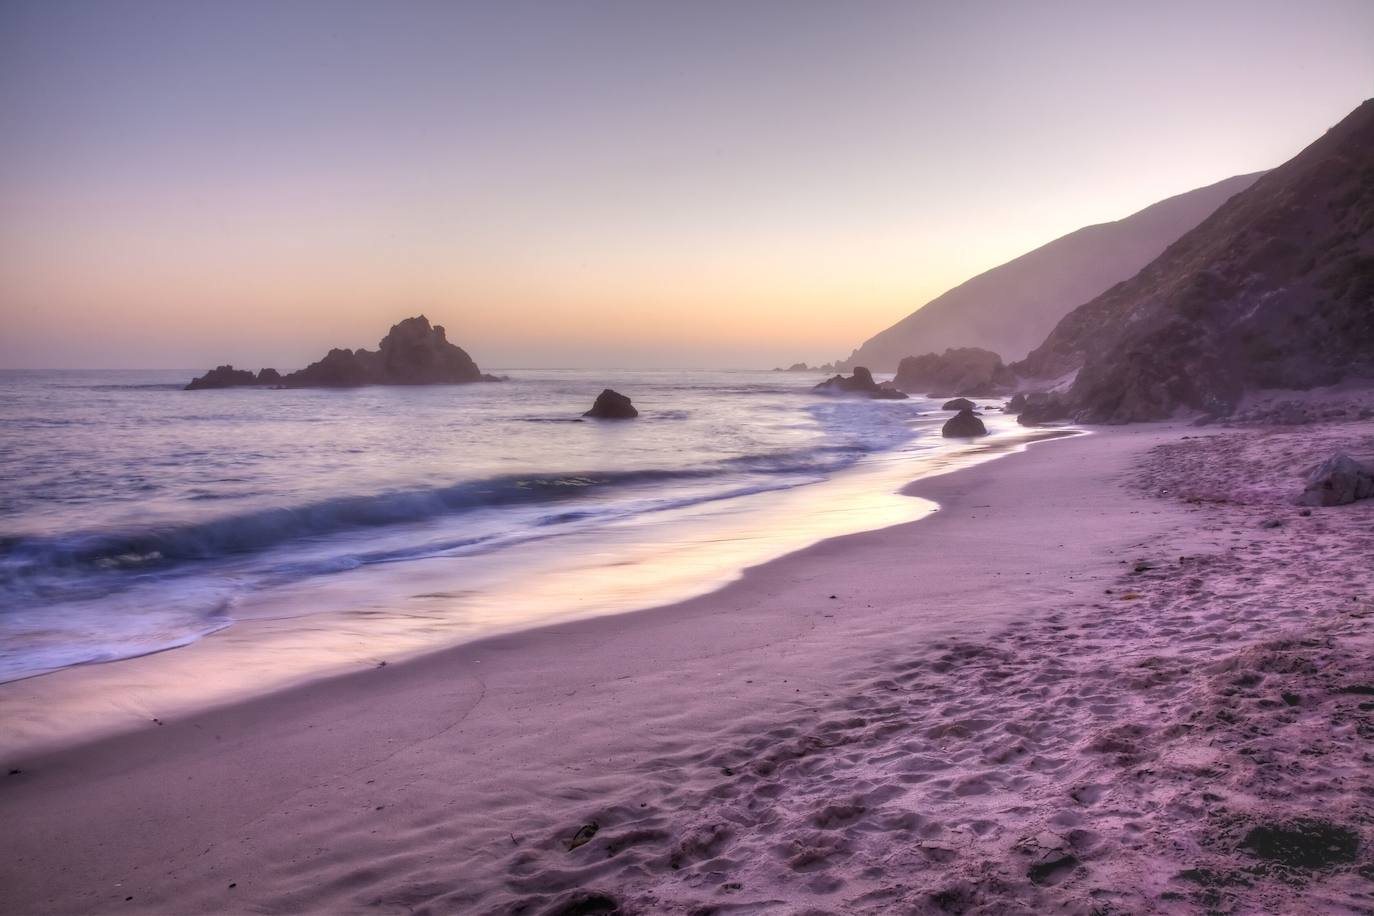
(860,383)
(803,367)
(1042,407)
(1011,308)
(965,371)
(1273,290)
(612,405)
(958,404)
(1338,480)
(412,353)
(964,424)
(223,377)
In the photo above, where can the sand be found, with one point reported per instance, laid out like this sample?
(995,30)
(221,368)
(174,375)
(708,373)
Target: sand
(1095,681)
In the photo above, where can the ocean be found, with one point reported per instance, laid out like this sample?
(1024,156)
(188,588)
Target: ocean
(137,517)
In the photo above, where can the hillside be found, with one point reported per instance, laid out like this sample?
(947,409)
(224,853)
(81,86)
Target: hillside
(1273,290)
(1011,308)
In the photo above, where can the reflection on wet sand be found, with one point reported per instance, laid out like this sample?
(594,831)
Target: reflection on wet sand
(380,614)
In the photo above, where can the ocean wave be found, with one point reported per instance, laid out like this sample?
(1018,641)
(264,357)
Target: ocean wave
(160,547)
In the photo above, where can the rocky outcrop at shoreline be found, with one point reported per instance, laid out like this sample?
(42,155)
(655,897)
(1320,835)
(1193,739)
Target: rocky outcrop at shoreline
(413,352)
(860,383)
(962,372)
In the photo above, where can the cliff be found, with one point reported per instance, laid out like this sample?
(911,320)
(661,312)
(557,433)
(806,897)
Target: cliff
(1011,308)
(1274,290)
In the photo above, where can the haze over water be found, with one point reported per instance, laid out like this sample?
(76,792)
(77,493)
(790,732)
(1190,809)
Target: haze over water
(600,183)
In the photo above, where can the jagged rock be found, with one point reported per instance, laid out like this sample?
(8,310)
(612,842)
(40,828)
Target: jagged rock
(958,404)
(612,405)
(964,424)
(412,353)
(860,383)
(1042,407)
(1016,404)
(967,371)
(1338,480)
(222,377)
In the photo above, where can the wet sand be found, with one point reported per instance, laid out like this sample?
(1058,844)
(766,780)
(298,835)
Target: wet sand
(1067,690)
(324,626)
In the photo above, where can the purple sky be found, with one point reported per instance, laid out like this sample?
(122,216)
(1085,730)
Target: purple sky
(586,183)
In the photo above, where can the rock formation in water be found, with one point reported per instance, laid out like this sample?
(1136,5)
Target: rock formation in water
(963,372)
(859,384)
(229,377)
(412,353)
(803,367)
(1273,290)
(964,424)
(1011,308)
(612,405)
(958,404)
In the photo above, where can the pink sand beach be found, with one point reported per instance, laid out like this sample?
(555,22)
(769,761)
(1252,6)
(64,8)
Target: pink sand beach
(1105,676)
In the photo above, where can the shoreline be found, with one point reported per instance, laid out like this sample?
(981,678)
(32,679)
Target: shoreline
(972,722)
(241,660)
(456,675)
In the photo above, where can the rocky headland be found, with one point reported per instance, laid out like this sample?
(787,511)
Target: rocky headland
(1011,308)
(1275,290)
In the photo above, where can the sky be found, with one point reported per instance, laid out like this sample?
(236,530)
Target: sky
(585,183)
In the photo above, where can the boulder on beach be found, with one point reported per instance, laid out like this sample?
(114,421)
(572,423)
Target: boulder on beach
(1338,480)
(958,404)
(964,424)
(860,383)
(229,377)
(612,405)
